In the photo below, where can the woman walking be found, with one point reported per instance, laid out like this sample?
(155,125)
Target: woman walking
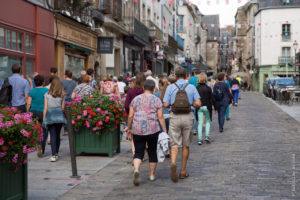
(163,84)
(235,87)
(83,89)
(35,105)
(110,88)
(145,115)
(53,116)
(205,110)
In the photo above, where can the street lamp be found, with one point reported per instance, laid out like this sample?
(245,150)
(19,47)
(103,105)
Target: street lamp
(295,44)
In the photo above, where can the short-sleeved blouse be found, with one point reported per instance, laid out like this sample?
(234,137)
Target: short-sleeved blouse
(109,88)
(145,119)
(83,90)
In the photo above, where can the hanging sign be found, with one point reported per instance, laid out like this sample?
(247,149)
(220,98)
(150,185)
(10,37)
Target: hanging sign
(105,45)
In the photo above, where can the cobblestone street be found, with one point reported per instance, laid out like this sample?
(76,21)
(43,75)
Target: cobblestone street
(257,157)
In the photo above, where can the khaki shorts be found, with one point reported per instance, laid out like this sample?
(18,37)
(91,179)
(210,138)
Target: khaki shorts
(180,129)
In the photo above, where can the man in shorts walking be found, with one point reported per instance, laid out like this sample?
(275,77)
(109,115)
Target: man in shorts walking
(181,121)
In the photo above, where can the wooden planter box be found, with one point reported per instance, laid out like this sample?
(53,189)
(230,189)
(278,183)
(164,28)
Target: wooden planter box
(13,185)
(104,143)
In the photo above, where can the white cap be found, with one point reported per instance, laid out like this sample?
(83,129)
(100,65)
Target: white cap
(83,72)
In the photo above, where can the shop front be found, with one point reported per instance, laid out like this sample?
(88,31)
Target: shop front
(25,39)
(75,46)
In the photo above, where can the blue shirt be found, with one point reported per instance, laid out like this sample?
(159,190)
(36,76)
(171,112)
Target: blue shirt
(20,87)
(38,98)
(194,81)
(165,110)
(191,91)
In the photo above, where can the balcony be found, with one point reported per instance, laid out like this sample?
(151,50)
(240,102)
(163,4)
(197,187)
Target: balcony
(286,36)
(117,10)
(154,31)
(256,62)
(180,42)
(283,60)
(181,29)
(134,26)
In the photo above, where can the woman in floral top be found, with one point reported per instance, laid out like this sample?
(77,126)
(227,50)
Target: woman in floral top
(109,87)
(145,114)
(83,89)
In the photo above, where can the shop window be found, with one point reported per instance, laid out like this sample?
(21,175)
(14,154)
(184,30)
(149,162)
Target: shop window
(29,44)
(2,38)
(286,2)
(5,65)
(29,68)
(75,64)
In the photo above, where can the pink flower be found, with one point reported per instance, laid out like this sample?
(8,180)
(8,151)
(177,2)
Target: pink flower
(25,133)
(24,149)
(98,110)
(25,161)
(84,104)
(111,99)
(2,154)
(100,102)
(30,150)
(73,122)
(1,141)
(85,113)
(100,123)
(77,99)
(78,116)
(87,124)
(96,128)
(106,112)
(89,116)
(15,158)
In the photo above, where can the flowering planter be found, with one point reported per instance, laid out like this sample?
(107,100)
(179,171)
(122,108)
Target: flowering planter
(91,143)
(13,185)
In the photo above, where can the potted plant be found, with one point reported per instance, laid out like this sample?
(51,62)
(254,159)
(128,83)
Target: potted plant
(96,124)
(19,135)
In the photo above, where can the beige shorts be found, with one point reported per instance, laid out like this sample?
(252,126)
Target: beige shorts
(180,129)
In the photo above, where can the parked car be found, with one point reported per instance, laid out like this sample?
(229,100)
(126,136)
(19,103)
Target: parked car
(281,83)
(268,87)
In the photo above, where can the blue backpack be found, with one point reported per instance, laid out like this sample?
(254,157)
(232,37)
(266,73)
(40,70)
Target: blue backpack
(218,92)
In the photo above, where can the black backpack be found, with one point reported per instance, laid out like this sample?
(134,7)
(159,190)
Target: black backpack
(218,93)
(6,93)
(181,104)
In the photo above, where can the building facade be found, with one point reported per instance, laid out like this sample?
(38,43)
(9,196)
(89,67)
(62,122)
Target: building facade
(276,30)
(27,39)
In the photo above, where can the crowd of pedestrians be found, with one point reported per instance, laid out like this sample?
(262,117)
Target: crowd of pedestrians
(177,105)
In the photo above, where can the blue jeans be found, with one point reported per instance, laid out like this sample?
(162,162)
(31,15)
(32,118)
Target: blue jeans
(167,121)
(54,130)
(221,116)
(203,111)
(235,94)
(196,123)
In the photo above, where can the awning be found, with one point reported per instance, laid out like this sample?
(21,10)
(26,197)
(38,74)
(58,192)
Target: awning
(202,67)
(132,39)
(79,48)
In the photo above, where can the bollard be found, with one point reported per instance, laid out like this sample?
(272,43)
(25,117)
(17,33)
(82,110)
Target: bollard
(71,143)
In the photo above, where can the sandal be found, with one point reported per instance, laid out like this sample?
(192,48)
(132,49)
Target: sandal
(184,175)
(173,174)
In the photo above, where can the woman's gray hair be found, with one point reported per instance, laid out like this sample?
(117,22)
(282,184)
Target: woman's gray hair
(149,85)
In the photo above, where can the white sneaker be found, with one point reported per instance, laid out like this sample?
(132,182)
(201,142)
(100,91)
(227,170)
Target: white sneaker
(53,159)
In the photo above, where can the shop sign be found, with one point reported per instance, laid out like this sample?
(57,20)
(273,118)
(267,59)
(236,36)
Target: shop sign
(105,45)
(160,55)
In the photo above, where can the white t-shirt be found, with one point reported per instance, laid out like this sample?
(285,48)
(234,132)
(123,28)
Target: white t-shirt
(121,86)
(153,79)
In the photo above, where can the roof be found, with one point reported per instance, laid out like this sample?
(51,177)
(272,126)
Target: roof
(276,4)
(212,31)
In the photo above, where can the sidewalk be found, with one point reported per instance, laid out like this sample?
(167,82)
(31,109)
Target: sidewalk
(292,110)
(48,180)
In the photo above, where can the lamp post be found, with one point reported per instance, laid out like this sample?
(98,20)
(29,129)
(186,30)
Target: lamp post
(295,45)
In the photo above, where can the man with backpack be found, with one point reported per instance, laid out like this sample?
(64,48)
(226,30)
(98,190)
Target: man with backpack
(222,98)
(182,97)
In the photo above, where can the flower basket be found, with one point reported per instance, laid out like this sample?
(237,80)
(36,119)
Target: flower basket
(103,143)
(19,136)
(96,124)
(13,185)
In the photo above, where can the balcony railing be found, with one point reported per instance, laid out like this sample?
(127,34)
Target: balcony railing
(134,26)
(172,43)
(154,31)
(283,60)
(180,42)
(117,10)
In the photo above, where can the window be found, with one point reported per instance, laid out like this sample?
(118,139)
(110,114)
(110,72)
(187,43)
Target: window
(29,44)
(286,2)
(286,55)
(2,38)
(5,65)
(74,64)
(11,40)
(14,40)
(286,32)
(29,68)
(180,24)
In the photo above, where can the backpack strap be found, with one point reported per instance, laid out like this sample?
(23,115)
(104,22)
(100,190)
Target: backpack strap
(177,86)
(182,88)
(185,86)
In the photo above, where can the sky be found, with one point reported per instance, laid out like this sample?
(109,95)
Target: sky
(225,8)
